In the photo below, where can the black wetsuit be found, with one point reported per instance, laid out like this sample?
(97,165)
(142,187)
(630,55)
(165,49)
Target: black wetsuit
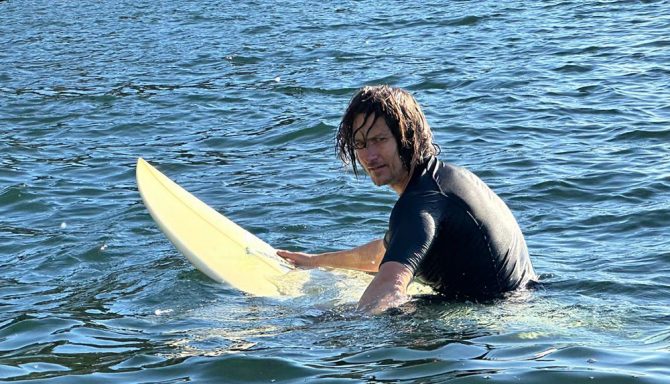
(456,234)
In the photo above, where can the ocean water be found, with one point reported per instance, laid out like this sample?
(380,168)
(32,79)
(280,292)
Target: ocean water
(562,107)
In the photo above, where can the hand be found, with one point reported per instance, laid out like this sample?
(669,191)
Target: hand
(299,259)
(383,302)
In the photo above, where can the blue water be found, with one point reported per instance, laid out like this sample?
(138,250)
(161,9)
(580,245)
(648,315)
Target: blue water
(562,107)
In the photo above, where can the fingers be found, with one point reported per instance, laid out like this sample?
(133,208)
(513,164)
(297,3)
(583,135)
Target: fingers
(286,255)
(296,258)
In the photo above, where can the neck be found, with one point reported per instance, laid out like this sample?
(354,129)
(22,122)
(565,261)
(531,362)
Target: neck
(400,186)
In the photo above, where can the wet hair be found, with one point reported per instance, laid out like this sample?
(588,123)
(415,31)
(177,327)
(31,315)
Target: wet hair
(402,115)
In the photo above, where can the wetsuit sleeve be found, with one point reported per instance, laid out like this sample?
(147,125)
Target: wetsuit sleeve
(412,230)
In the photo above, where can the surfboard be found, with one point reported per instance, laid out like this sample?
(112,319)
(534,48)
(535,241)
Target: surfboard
(229,254)
(214,244)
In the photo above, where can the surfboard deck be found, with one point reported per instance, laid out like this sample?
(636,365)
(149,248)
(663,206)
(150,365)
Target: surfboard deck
(215,245)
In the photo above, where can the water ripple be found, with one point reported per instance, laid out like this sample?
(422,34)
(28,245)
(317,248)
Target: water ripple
(240,103)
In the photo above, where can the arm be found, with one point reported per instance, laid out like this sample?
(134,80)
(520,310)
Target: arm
(388,289)
(364,258)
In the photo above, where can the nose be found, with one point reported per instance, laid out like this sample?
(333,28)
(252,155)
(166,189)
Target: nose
(368,154)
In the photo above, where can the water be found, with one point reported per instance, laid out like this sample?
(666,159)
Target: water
(563,107)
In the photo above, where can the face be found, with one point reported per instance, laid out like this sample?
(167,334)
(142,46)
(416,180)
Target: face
(377,151)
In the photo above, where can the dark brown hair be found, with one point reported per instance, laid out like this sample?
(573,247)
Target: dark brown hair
(402,115)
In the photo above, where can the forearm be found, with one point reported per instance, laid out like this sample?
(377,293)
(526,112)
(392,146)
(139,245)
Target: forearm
(363,258)
(388,289)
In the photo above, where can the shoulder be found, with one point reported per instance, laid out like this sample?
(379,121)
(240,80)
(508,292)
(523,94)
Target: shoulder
(452,179)
(423,196)
(439,171)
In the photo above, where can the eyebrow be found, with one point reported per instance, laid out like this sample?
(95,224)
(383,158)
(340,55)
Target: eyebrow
(376,135)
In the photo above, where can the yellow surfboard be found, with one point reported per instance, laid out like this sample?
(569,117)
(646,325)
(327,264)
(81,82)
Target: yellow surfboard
(214,244)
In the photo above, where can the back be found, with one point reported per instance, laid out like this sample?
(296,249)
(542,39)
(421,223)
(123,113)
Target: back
(457,234)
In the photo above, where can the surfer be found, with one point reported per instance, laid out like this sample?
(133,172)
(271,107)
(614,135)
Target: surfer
(448,228)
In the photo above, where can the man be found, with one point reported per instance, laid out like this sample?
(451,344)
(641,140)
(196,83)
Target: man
(447,227)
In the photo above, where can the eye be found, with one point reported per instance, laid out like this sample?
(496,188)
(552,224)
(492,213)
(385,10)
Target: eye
(359,144)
